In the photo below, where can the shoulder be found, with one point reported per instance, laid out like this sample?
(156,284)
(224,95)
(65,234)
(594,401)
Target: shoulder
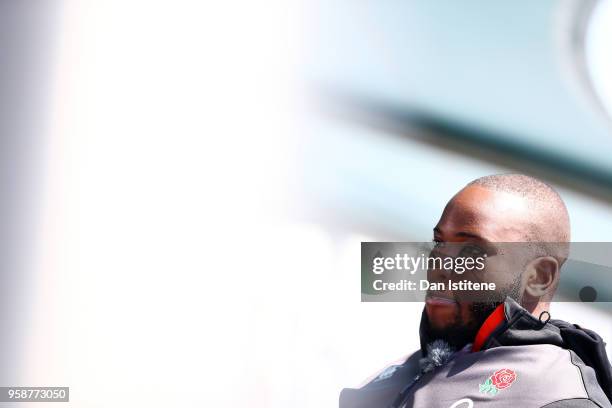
(391,369)
(381,387)
(535,375)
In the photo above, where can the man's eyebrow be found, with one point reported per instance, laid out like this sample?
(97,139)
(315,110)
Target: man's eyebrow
(471,235)
(464,234)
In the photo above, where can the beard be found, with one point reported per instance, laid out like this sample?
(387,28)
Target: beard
(460,332)
(463,330)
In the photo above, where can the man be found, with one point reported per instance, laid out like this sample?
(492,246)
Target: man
(504,350)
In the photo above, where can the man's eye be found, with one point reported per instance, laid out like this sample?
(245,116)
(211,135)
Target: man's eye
(472,251)
(437,243)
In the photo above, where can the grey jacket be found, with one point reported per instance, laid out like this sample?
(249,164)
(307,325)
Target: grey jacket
(523,363)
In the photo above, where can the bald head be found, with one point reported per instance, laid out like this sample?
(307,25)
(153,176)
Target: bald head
(547,217)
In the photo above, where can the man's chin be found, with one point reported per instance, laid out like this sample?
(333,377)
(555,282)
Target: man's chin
(454,322)
(442,313)
(450,321)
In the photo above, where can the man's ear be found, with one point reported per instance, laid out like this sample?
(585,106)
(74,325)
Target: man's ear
(541,276)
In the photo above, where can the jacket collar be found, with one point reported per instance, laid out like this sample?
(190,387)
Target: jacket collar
(509,325)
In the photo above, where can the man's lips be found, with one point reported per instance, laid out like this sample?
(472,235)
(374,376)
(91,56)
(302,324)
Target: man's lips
(435,300)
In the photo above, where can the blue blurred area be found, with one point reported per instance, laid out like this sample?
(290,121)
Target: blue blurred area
(512,71)
(395,187)
(506,77)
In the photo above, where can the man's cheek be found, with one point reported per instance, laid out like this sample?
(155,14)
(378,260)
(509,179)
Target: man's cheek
(506,284)
(503,283)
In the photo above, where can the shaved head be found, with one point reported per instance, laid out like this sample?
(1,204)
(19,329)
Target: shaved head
(547,223)
(549,218)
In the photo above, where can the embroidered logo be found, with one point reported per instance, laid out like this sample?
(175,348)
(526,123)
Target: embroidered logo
(500,380)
